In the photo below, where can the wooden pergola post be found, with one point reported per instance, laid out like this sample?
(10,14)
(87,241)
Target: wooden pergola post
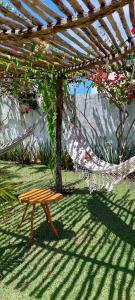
(58,149)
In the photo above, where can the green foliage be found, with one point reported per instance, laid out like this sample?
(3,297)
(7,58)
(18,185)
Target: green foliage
(29,99)
(105,150)
(66,161)
(25,154)
(48,90)
(25,77)
(42,80)
(21,154)
(43,153)
(7,197)
(129,151)
(116,85)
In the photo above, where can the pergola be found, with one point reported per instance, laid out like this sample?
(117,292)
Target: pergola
(81,34)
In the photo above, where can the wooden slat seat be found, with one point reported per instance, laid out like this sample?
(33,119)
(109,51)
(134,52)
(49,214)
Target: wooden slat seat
(39,196)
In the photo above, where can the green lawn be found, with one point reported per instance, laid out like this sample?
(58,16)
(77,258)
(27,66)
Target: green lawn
(94,258)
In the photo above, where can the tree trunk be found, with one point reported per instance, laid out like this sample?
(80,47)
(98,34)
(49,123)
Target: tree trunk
(59,109)
(120,134)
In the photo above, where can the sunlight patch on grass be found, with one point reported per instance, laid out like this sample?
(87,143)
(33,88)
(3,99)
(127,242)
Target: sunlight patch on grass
(94,257)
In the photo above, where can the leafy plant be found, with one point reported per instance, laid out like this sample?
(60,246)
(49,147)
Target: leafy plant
(104,150)
(7,198)
(43,153)
(129,151)
(21,154)
(28,98)
(66,161)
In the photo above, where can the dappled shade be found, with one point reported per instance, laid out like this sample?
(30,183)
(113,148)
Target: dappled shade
(92,258)
(94,255)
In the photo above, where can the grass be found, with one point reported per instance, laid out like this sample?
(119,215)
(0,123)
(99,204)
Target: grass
(94,258)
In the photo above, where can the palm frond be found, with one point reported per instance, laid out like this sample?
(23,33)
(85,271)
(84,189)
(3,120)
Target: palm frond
(7,197)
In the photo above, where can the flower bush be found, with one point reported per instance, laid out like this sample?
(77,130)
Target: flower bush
(28,102)
(133,30)
(25,110)
(119,86)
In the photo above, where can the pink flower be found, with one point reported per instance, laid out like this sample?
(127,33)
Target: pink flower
(133,30)
(122,77)
(130,96)
(15,50)
(132,89)
(71,79)
(22,110)
(123,88)
(25,109)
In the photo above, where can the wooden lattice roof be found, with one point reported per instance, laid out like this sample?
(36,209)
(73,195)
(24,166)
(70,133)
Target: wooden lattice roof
(80,33)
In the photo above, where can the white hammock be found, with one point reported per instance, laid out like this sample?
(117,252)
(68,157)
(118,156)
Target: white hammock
(98,173)
(26,133)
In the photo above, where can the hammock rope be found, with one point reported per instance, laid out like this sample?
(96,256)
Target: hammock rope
(26,133)
(97,173)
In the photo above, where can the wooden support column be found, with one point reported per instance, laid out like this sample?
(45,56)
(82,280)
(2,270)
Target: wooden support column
(59,109)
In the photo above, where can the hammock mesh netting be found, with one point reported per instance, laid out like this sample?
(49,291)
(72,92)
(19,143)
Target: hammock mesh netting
(26,133)
(97,173)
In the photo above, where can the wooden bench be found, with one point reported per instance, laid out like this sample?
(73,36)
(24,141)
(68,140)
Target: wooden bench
(42,197)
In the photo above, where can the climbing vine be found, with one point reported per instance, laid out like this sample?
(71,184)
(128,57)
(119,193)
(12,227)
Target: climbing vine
(26,79)
(27,76)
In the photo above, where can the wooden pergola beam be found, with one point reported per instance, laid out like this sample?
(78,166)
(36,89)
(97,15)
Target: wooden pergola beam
(100,62)
(10,14)
(132,12)
(67,23)
(65,34)
(86,65)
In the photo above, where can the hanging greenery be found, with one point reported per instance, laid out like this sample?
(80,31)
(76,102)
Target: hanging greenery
(28,102)
(28,76)
(31,83)
(26,79)
(7,198)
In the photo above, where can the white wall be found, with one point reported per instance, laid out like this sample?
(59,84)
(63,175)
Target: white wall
(102,116)
(18,122)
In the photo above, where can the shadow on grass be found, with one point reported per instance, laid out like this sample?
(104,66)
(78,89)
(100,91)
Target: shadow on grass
(112,221)
(39,168)
(6,173)
(44,233)
(93,259)
(35,168)
(40,183)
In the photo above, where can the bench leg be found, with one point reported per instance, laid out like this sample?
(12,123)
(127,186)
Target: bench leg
(31,226)
(48,217)
(23,217)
